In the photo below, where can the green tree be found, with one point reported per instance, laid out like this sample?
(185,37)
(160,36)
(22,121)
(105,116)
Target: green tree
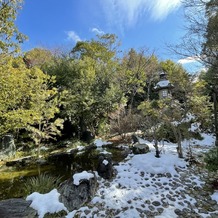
(137,73)
(89,76)
(211,159)
(10,37)
(103,49)
(27,100)
(210,50)
(178,77)
(177,118)
(200,42)
(46,102)
(178,113)
(39,57)
(152,118)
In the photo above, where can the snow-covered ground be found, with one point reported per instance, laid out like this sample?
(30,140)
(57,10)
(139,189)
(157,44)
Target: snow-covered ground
(145,186)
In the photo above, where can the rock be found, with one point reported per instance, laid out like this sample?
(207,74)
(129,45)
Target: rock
(178,212)
(203,211)
(160,210)
(134,139)
(7,146)
(105,167)
(125,152)
(151,208)
(214,215)
(74,196)
(156,203)
(20,162)
(168,175)
(140,149)
(16,208)
(87,136)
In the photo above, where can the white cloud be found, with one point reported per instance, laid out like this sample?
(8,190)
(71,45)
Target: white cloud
(127,12)
(160,9)
(97,31)
(189,60)
(72,36)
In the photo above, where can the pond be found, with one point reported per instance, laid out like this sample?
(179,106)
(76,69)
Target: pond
(12,178)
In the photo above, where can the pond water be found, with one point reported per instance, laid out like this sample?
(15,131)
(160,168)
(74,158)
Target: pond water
(13,178)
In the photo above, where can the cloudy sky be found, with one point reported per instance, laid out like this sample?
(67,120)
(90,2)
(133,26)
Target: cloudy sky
(137,23)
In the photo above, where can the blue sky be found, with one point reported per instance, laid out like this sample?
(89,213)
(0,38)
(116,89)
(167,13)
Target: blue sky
(137,23)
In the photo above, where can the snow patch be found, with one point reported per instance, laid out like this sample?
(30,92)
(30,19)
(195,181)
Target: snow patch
(150,164)
(46,203)
(100,142)
(163,83)
(214,196)
(105,162)
(81,176)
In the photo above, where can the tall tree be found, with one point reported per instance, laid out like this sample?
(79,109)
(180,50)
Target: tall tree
(190,45)
(200,39)
(27,100)
(210,47)
(178,77)
(152,117)
(89,76)
(138,70)
(10,37)
(210,50)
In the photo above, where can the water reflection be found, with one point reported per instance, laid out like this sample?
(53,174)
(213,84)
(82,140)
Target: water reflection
(63,164)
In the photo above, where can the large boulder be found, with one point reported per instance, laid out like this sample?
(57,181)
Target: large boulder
(74,196)
(16,208)
(140,148)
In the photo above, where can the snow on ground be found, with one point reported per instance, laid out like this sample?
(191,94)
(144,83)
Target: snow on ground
(150,164)
(208,140)
(215,196)
(144,186)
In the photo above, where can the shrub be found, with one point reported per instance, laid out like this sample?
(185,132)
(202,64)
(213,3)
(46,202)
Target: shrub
(123,121)
(43,183)
(62,213)
(211,159)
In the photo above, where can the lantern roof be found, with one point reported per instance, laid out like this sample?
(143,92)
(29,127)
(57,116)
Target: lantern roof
(164,83)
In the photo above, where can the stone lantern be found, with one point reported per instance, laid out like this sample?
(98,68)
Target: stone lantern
(164,86)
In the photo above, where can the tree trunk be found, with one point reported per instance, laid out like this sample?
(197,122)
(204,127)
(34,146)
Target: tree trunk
(82,126)
(178,136)
(156,145)
(156,149)
(179,142)
(215,116)
(148,90)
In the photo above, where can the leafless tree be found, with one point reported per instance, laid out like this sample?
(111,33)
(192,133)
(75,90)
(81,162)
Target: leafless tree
(191,44)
